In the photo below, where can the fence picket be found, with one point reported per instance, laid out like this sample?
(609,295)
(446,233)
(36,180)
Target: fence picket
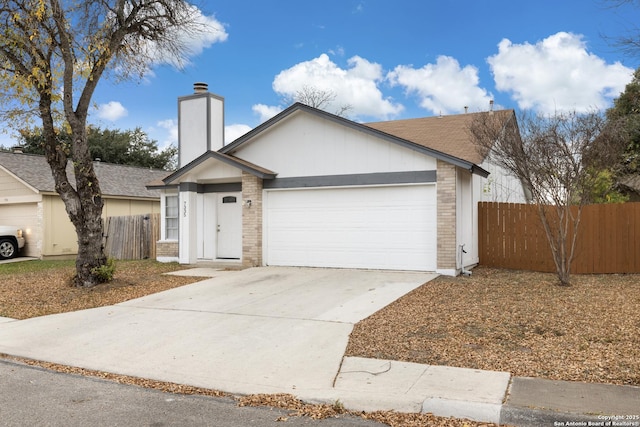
(131,237)
(512,236)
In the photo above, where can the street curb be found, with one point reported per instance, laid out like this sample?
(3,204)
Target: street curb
(478,411)
(534,417)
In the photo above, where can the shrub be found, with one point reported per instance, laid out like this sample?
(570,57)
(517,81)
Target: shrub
(105,272)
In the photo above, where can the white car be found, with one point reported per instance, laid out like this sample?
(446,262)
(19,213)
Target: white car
(11,241)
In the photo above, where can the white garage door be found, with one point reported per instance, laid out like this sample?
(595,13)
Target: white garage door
(365,227)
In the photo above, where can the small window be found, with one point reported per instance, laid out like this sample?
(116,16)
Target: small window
(229,199)
(171,218)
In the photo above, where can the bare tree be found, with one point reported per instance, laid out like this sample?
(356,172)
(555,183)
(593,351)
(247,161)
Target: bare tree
(557,158)
(319,98)
(53,53)
(629,42)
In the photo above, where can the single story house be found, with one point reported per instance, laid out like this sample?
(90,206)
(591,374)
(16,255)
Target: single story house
(309,188)
(28,200)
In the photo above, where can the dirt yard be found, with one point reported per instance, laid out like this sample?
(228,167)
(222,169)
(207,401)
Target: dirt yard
(497,320)
(520,322)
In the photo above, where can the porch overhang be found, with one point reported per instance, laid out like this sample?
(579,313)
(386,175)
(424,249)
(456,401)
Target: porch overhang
(203,162)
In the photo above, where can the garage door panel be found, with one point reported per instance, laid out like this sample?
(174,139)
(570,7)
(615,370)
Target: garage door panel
(365,227)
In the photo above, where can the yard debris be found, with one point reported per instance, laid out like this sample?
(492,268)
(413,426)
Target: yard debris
(48,291)
(322,411)
(163,386)
(514,321)
(276,401)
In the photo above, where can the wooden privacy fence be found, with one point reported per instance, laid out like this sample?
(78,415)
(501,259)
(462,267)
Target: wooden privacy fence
(131,237)
(511,236)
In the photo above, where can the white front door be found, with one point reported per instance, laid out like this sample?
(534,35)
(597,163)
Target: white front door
(229,227)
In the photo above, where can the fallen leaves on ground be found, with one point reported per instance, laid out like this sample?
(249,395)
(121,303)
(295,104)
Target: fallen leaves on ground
(322,411)
(514,321)
(48,291)
(40,292)
(164,386)
(283,401)
(519,322)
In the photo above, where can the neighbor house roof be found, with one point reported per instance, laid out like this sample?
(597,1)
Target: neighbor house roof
(447,134)
(115,180)
(631,182)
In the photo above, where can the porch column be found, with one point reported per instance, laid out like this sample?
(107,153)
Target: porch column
(188,223)
(446,212)
(251,220)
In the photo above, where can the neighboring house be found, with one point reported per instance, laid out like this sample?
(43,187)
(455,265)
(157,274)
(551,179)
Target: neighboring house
(630,186)
(28,200)
(308,188)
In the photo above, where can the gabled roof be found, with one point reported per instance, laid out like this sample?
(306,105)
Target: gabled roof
(115,180)
(448,134)
(241,164)
(444,138)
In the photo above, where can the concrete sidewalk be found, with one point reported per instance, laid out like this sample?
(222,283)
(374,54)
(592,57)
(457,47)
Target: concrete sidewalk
(285,330)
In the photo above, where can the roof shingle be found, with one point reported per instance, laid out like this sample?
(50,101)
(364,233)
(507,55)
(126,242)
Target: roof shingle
(447,134)
(115,180)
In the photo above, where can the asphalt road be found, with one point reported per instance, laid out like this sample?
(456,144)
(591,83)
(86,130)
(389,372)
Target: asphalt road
(38,397)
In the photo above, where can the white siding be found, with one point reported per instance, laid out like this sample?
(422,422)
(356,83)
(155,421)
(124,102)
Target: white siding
(213,170)
(307,145)
(467,220)
(499,186)
(192,129)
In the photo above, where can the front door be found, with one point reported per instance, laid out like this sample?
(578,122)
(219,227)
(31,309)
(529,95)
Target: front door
(229,227)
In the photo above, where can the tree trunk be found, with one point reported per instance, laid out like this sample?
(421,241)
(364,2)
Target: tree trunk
(555,231)
(84,207)
(83,202)
(88,219)
(90,245)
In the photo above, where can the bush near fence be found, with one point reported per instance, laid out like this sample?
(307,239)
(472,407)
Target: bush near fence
(511,236)
(131,237)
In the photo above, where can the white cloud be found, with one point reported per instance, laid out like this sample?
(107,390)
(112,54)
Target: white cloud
(233,132)
(214,33)
(557,74)
(338,51)
(170,127)
(112,111)
(356,86)
(209,31)
(265,112)
(443,87)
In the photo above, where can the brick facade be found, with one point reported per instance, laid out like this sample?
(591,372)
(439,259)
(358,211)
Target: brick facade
(251,220)
(167,249)
(446,200)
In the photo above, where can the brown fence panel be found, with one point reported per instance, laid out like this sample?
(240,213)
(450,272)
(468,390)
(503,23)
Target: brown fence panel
(131,237)
(512,236)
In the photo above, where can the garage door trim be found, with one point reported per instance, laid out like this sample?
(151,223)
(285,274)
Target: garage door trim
(400,233)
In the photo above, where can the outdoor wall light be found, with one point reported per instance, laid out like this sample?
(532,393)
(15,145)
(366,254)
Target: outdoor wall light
(247,203)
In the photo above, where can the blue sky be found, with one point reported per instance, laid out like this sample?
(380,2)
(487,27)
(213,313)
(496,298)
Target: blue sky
(388,60)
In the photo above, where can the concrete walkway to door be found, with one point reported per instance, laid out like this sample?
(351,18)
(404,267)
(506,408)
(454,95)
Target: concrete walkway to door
(260,330)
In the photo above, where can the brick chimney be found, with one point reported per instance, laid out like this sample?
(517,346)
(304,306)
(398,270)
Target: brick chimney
(200,124)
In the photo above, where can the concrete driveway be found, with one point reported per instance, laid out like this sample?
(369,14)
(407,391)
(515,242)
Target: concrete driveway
(271,329)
